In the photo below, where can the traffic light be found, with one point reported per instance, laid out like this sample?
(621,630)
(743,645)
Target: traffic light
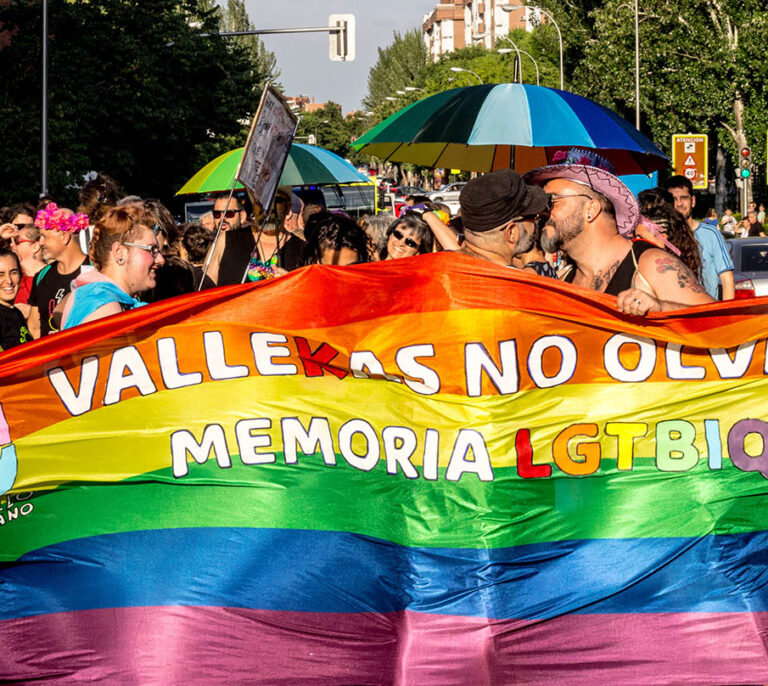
(745,162)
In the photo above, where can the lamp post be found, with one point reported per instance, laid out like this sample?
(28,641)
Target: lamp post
(637,70)
(468,71)
(518,58)
(44,110)
(510,8)
(412,89)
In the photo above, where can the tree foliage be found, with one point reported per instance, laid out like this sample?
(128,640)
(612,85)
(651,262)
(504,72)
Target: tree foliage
(134,90)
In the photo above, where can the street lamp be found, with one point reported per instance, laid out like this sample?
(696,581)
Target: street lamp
(504,51)
(413,88)
(637,70)
(518,58)
(511,8)
(468,71)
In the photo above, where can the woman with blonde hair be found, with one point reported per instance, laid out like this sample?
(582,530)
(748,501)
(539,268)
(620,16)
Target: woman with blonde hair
(126,255)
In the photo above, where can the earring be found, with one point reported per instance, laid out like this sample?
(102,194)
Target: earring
(120,260)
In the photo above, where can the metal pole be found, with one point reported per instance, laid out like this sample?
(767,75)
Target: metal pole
(535,64)
(260,32)
(44,111)
(560,40)
(637,69)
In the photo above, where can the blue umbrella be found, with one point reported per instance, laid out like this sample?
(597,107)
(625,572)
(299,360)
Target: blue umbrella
(508,125)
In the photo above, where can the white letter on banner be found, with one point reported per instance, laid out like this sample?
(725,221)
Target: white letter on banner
(613,364)
(469,439)
(430,466)
(183,442)
(476,360)
(399,445)
(568,357)
(264,349)
(370,458)
(365,359)
(675,367)
(213,342)
(247,442)
(169,366)
(82,401)
(406,361)
(318,433)
(129,359)
(733,368)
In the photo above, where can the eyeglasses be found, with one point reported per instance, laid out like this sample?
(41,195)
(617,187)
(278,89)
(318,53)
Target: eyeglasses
(21,227)
(151,249)
(18,240)
(408,241)
(557,196)
(227,213)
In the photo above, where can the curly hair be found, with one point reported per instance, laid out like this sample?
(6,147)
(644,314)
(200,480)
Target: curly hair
(409,220)
(656,204)
(98,195)
(117,225)
(328,231)
(196,241)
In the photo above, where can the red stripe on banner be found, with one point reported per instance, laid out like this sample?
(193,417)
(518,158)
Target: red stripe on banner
(226,645)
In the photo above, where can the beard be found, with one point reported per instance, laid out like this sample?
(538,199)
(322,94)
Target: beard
(524,243)
(556,234)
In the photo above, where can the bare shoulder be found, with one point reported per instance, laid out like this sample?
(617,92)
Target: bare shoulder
(671,277)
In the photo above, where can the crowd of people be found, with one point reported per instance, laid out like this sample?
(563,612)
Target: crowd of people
(575,221)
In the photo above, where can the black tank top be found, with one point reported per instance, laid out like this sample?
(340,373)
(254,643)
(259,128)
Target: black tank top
(625,274)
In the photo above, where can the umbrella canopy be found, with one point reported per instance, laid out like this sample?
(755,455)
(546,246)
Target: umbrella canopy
(508,125)
(306,165)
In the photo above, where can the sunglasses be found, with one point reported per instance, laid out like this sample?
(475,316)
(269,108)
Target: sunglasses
(21,227)
(151,249)
(227,213)
(553,197)
(408,241)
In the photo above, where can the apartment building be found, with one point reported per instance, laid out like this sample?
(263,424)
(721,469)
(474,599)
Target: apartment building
(461,23)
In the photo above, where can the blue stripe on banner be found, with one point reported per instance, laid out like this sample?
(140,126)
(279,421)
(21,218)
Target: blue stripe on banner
(320,571)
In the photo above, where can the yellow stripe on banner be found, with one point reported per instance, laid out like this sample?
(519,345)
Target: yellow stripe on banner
(134,437)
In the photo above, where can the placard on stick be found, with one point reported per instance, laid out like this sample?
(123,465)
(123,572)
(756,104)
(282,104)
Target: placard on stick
(267,147)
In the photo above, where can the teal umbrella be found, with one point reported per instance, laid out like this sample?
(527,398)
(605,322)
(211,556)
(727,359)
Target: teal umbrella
(306,165)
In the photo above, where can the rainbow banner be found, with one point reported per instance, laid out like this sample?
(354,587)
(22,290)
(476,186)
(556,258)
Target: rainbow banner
(426,471)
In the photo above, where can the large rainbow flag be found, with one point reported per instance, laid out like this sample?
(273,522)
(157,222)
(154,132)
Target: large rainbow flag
(427,471)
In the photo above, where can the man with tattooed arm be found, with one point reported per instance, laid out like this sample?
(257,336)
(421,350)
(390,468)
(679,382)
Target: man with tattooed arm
(593,216)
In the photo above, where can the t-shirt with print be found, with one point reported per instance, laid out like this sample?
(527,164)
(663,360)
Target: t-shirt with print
(13,328)
(48,290)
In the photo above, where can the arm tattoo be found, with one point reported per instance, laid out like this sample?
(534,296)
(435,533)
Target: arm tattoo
(685,277)
(601,278)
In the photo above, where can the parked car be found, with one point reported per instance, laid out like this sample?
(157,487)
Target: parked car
(448,192)
(750,262)
(405,191)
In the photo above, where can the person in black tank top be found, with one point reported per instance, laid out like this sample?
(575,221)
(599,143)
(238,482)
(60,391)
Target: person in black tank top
(592,218)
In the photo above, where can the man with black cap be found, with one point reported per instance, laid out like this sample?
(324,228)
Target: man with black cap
(499,213)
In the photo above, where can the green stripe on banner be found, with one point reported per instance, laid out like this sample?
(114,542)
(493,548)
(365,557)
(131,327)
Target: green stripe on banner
(509,511)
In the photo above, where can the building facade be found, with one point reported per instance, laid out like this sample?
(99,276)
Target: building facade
(461,23)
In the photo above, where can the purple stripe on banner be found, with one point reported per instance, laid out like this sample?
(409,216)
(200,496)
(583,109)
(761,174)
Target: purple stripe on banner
(173,645)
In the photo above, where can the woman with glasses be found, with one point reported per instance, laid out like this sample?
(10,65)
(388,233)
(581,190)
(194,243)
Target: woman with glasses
(26,244)
(407,236)
(126,254)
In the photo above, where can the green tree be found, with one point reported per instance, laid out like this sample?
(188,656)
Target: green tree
(400,64)
(328,127)
(135,91)
(264,62)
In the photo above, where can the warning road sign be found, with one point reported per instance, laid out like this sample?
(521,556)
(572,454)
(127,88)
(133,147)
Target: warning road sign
(689,157)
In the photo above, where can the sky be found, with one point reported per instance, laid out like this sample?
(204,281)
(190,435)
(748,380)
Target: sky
(303,58)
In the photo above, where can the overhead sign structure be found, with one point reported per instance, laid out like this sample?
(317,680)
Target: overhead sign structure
(341,41)
(689,157)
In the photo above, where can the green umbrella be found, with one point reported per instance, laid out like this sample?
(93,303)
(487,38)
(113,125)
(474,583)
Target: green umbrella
(306,165)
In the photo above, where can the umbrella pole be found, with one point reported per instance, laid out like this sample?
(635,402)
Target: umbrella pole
(215,239)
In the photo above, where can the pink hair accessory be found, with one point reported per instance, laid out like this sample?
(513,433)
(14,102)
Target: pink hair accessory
(55,218)
(658,231)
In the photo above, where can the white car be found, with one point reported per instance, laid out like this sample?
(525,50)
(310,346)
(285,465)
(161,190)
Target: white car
(449,192)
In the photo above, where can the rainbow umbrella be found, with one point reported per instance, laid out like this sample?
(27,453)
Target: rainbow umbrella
(306,165)
(507,125)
